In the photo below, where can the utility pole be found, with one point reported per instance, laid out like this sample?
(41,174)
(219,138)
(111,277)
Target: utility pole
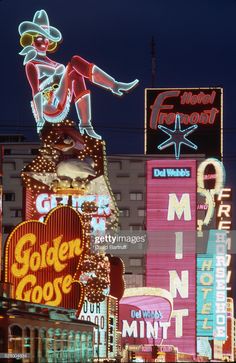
(153,59)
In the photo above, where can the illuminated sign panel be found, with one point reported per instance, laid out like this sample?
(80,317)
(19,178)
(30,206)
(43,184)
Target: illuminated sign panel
(97,313)
(145,315)
(228,346)
(205,295)
(171,173)
(197,107)
(42,260)
(44,202)
(54,85)
(211,288)
(103,314)
(170,263)
(219,238)
(209,186)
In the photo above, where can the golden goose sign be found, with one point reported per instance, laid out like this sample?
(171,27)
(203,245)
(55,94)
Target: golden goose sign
(42,260)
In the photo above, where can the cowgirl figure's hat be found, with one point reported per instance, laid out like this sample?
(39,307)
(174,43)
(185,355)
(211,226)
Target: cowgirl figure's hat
(40,25)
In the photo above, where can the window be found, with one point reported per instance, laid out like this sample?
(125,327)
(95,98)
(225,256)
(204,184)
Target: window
(141,212)
(135,262)
(123,175)
(136,196)
(125,212)
(7,228)
(15,176)
(16,212)
(9,166)
(134,280)
(7,151)
(20,151)
(117,195)
(9,197)
(136,227)
(117,165)
(137,164)
(34,151)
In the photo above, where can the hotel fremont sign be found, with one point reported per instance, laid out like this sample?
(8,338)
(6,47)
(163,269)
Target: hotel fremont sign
(195,106)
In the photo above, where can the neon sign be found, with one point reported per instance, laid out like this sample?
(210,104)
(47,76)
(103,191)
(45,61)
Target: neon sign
(45,202)
(224,222)
(178,207)
(144,329)
(205,295)
(205,117)
(140,321)
(211,288)
(220,316)
(171,172)
(98,314)
(198,107)
(224,212)
(171,207)
(177,137)
(55,86)
(153,314)
(209,194)
(43,259)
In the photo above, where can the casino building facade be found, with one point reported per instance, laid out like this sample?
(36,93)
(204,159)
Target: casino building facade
(38,333)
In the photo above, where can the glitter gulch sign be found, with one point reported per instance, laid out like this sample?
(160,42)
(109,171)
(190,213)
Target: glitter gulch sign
(42,260)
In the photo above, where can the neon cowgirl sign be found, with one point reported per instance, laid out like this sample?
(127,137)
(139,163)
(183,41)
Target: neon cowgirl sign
(53,85)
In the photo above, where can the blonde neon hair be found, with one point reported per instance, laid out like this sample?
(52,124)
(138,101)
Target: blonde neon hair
(28,39)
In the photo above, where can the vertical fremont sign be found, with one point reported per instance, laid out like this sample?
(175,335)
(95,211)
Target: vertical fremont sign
(170,264)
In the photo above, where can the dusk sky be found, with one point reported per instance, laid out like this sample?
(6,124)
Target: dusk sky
(195,47)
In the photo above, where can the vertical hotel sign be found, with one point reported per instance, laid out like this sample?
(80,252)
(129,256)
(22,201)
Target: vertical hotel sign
(171,224)
(212,288)
(195,106)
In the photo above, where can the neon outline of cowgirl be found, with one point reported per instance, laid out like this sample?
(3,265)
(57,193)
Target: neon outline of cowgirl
(53,85)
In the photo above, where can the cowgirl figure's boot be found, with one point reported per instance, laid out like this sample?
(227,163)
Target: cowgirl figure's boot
(103,79)
(83,108)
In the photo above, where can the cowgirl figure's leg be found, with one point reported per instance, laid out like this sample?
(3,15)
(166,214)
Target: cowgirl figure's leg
(84,69)
(82,104)
(97,76)
(83,108)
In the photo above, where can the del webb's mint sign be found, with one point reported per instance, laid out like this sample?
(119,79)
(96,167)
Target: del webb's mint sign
(171,173)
